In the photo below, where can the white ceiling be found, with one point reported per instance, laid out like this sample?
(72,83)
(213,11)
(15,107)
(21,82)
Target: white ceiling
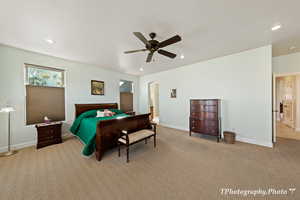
(97,32)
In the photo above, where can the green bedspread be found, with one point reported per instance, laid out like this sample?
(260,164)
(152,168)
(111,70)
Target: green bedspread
(84,127)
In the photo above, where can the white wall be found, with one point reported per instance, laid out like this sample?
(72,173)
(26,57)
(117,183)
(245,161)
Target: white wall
(78,80)
(286,64)
(243,81)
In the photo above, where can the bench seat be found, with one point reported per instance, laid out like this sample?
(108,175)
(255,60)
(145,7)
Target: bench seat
(128,137)
(137,136)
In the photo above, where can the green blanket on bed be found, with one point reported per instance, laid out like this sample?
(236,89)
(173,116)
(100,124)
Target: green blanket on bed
(84,127)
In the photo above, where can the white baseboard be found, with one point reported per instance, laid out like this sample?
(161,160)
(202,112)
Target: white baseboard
(175,127)
(254,141)
(27,144)
(18,146)
(238,138)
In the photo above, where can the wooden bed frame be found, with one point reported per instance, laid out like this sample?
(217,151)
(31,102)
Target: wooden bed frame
(108,131)
(81,108)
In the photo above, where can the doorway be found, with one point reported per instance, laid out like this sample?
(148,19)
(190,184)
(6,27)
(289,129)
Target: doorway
(287,106)
(126,95)
(153,89)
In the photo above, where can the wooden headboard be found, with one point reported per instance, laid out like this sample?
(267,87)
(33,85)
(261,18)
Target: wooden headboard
(81,108)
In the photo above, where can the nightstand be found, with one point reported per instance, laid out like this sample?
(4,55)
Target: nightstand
(48,134)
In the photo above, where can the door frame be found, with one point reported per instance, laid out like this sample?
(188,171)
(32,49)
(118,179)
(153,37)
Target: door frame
(274,97)
(149,93)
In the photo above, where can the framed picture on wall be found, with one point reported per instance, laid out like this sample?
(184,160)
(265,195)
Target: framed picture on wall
(97,87)
(173,93)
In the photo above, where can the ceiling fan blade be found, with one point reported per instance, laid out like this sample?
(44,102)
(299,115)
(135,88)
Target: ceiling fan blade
(166,53)
(141,37)
(134,51)
(149,57)
(169,41)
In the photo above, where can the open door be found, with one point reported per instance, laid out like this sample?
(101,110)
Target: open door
(154,101)
(274,109)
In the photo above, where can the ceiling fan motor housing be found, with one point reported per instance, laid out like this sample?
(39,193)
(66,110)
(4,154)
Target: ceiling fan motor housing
(152,35)
(153,45)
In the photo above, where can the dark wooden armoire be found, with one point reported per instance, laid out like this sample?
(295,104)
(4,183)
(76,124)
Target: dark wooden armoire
(205,117)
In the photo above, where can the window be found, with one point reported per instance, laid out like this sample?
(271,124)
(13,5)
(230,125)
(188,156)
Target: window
(126,95)
(45,94)
(46,77)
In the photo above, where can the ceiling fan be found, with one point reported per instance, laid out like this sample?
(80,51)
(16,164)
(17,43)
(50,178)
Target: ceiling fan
(154,45)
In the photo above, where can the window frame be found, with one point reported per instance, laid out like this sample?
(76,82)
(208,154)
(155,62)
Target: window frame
(26,82)
(63,72)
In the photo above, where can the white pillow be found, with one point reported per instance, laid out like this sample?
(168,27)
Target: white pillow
(100,114)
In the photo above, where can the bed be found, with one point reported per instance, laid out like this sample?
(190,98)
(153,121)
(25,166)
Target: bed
(100,134)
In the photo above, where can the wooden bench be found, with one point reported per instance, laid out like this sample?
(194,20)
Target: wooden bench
(128,138)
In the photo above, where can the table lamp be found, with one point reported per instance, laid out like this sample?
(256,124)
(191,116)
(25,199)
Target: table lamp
(9,151)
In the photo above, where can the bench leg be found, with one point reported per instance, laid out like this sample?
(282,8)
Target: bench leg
(154,141)
(146,141)
(127,152)
(119,149)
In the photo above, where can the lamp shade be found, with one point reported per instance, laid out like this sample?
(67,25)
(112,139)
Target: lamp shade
(7,109)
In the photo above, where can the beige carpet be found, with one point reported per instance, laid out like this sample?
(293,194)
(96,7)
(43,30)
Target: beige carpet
(181,167)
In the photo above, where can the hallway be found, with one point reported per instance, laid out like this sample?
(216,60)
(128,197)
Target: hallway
(284,131)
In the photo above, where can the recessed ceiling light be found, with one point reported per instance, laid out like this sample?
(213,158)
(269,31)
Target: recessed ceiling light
(49,41)
(141,69)
(276,27)
(292,48)
(182,56)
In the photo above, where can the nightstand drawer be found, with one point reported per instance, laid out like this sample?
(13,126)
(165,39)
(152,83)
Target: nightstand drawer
(49,132)
(45,143)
